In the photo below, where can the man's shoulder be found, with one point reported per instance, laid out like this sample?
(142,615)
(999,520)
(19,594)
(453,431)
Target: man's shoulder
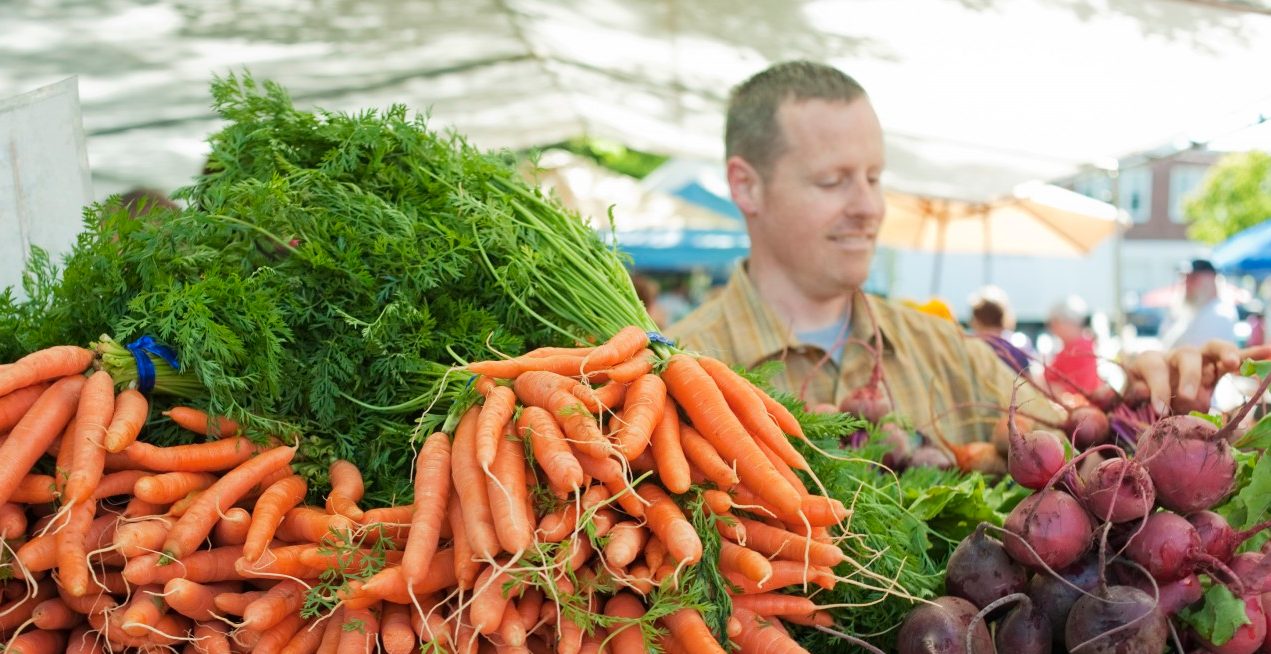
(908,323)
(704,325)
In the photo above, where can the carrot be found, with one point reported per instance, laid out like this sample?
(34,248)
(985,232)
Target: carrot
(779,413)
(15,405)
(307,639)
(137,508)
(511,630)
(116,483)
(548,351)
(194,600)
(784,573)
(626,539)
(287,561)
(236,603)
(389,584)
(432,493)
(687,626)
(751,411)
(497,410)
(394,516)
(490,598)
(430,625)
(718,502)
(622,346)
(213,456)
(72,550)
(824,511)
(307,524)
(759,635)
(168,487)
(331,635)
(625,636)
(395,630)
(764,604)
(668,453)
(192,419)
(708,410)
(469,483)
(787,545)
(37,642)
(12,521)
(274,639)
(646,400)
(82,641)
(571,636)
(133,539)
(536,387)
(601,399)
(347,488)
(143,611)
(232,527)
(44,365)
(361,629)
(39,553)
(551,451)
(667,521)
(281,600)
(203,566)
(507,490)
(196,524)
(53,613)
(210,638)
(466,568)
(20,609)
(633,368)
(346,560)
(91,603)
(273,504)
(37,429)
(92,416)
(131,409)
(34,489)
(702,455)
(747,562)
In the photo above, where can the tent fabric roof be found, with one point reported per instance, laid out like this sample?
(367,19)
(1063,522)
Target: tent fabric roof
(976,95)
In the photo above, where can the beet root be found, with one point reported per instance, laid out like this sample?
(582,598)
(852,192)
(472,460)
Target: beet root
(1034,457)
(1248,637)
(1101,623)
(1174,595)
(1055,598)
(941,628)
(1191,468)
(1119,490)
(1053,524)
(981,571)
(1217,537)
(1025,630)
(1088,426)
(868,402)
(1166,546)
(930,456)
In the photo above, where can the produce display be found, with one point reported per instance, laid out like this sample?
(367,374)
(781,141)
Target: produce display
(371,390)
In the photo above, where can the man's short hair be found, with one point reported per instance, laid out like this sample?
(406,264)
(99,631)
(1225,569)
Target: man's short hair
(751,130)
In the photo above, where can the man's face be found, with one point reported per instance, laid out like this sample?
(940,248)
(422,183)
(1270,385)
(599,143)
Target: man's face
(818,210)
(1199,286)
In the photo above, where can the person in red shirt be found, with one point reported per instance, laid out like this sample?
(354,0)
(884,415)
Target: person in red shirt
(1075,368)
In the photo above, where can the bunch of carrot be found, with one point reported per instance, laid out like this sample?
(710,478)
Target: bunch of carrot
(563,514)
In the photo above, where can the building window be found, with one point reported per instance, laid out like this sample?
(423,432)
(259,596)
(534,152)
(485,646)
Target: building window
(1094,185)
(1136,193)
(1184,179)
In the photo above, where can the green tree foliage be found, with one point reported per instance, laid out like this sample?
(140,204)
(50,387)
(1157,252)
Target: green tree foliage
(1236,195)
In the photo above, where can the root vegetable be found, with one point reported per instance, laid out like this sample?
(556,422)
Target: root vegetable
(941,628)
(1053,524)
(1119,620)
(981,571)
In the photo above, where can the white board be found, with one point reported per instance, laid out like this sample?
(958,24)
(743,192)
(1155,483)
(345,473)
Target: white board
(44,177)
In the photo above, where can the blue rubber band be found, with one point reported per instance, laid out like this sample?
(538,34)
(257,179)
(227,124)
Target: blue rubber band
(141,350)
(655,337)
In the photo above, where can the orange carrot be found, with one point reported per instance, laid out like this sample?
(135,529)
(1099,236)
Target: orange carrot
(72,550)
(197,523)
(497,410)
(203,566)
(116,483)
(760,635)
(389,584)
(281,600)
(646,400)
(236,603)
(232,527)
(506,487)
(490,598)
(609,472)
(708,409)
(15,405)
(469,483)
(131,409)
(307,524)
(395,630)
(466,568)
(346,560)
(511,629)
(702,455)
(392,516)
(432,493)
(625,636)
(331,635)
(749,563)
(774,541)
(779,413)
(143,611)
(361,630)
(775,604)
(37,642)
(536,387)
(212,456)
(53,613)
(194,600)
(37,429)
(44,365)
(626,539)
(274,639)
(347,488)
(632,369)
(750,410)
(133,539)
(667,521)
(12,521)
(168,487)
(548,351)
(622,346)
(308,638)
(84,641)
(551,451)
(19,610)
(784,573)
(687,626)
(192,419)
(668,453)
(273,504)
(601,399)
(718,502)
(34,489)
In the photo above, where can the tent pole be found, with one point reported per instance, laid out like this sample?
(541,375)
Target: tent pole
(942,220)
(988,249)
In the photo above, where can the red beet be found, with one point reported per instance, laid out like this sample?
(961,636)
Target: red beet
(1248,637)
(1191,468)
(868,402)
(981,571)
(1033,457)
(941,628)
(1053,524)
(930,456)
(1167,546)
(1118,620)
(1088,426)
(1118,490)
(1055,598)
(1025,630)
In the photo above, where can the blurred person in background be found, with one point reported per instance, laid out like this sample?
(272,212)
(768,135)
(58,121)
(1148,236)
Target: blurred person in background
(141,201)
(1075,368)
(1202,315)
(804,161)
(993,321)
(647,290)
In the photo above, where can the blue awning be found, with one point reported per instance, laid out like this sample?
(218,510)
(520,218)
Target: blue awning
(1246,253)
(683,250)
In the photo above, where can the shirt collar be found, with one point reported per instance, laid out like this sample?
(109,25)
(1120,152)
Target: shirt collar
(758,332)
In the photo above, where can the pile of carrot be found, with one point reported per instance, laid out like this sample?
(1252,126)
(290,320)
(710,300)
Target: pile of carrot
(562,512)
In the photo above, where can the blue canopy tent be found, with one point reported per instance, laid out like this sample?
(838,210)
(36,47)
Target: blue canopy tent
(1246,253)
(682,250)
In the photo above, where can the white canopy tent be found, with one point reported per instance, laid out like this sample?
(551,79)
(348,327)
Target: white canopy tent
(976,95)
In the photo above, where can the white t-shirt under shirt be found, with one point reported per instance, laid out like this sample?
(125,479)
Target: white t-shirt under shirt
(1215,320)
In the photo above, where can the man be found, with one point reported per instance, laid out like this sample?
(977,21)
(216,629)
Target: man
(804,159)
(1203,316)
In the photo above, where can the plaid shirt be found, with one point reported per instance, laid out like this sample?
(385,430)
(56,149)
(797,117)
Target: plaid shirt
(936,374)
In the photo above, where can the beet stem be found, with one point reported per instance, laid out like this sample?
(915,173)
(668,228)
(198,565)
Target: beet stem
(989,608)
(1212,563)
(849,638)
(1244,410)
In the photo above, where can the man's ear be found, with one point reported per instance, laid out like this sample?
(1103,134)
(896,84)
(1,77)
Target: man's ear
(745,184)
